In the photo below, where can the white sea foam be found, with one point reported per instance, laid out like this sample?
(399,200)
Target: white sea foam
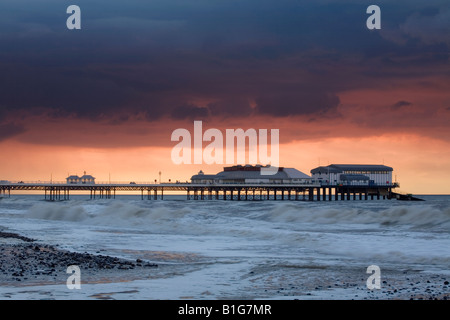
(406,215)
(334,235)
(420,215)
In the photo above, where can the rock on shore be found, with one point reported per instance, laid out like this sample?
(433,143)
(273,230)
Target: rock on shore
(25,262)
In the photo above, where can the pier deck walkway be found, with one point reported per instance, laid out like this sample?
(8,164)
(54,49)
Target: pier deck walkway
(248,191)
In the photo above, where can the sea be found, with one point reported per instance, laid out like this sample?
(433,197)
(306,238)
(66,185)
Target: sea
(215,249)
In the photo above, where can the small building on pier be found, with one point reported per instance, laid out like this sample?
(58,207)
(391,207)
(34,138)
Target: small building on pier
(252,174)
(353,175)
(85,179)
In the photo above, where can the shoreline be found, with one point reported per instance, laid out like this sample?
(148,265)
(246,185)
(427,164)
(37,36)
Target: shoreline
(27,264)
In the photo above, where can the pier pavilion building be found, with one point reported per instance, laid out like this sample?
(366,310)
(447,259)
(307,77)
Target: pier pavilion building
(252,174)
(353,174)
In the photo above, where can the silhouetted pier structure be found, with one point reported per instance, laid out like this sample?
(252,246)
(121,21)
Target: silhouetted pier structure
(196,191)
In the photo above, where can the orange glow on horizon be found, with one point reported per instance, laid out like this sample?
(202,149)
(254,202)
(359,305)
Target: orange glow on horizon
(418,162)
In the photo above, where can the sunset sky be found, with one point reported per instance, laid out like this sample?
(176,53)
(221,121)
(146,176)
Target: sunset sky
(105,99)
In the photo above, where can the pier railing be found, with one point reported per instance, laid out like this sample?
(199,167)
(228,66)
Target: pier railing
(38,182)
(167,183)
(60,190)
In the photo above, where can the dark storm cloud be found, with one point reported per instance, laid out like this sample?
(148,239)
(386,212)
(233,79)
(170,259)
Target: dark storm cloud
(158,58)
(8,130)
(62,92)
(401,104)
(302,102)
(230,107)
(189,112)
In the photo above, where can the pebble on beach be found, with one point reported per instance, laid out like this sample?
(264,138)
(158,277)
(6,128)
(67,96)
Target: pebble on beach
(24,260)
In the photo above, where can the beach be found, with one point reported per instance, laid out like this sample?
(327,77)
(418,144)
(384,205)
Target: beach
(25,264)
(129,249)
(23,261)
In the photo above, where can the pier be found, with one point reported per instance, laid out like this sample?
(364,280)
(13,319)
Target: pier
(209,191)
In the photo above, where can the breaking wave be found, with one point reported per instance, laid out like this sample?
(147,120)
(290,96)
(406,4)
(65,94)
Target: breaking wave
(331,233)
(424,216)
(169,215)
(116,214)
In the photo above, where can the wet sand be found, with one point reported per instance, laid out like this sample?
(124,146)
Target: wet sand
(349,283)
(27,263)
